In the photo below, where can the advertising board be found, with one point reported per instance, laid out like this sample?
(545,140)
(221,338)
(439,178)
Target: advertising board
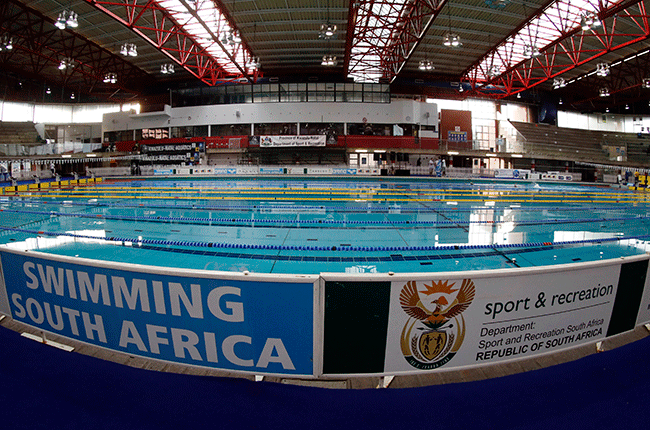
(199,319)
(450,320)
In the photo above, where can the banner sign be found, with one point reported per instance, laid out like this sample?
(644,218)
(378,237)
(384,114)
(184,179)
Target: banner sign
(457,136)
(452,321)
(290,141)
(225,170)
(271,170)
(343,171)
(163,172)
(241,325)
(173,153)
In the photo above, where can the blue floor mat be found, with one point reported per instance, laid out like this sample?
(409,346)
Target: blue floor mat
(45,388)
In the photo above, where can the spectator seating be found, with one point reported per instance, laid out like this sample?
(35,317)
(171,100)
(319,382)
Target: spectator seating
(17,133)
(560,143)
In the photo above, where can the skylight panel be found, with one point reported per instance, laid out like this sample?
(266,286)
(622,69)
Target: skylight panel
(373,32)
(555,21)
(203,24)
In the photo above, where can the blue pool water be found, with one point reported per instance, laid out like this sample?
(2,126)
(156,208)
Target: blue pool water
(309,226)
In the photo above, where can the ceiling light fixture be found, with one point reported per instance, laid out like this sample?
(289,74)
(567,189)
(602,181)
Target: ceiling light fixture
(66,63)
(604,92)
(646,83)
(230,37)
(167,69)
(129,50)
(497,4)
(254,63)
(329,61)
(531,51)
(110,78)
(559,83)
(235,36)
(327,31)
(426,65)
(494,71)
(67,19)
(602,69)
(589,20)
(451,40)
(6,43)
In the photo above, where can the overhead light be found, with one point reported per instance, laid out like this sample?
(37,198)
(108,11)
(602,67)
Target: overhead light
(329,60)
(531,51)
(627,107)
(327,31)
(494,71)
(589,20)
(66,63)
(254,63)
(60,21)
(71,21)
(6,43)
(607,110)
(497,4)
(110,78)
(129,50)
(517,155)
(560,102)
(426,65)
(604,92)
(72,96)
(67,19)
(48,90)
(490,154)
(230,37)
(646,82)
(518,95)
(236,36)
(451,40)
(602,69)
(452,152)
(167,69)
(559,83)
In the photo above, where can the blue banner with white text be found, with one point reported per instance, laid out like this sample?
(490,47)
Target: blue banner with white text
(254,326)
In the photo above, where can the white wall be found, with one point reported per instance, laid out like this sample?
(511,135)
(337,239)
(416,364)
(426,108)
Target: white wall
(398,111)
(595,122)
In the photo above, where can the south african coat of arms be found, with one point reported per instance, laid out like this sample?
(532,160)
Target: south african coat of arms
(436,328)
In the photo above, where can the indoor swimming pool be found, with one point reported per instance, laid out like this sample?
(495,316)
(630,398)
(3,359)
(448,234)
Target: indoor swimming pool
(311,226)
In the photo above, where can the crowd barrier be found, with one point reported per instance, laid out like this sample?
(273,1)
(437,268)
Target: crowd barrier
(325,326)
